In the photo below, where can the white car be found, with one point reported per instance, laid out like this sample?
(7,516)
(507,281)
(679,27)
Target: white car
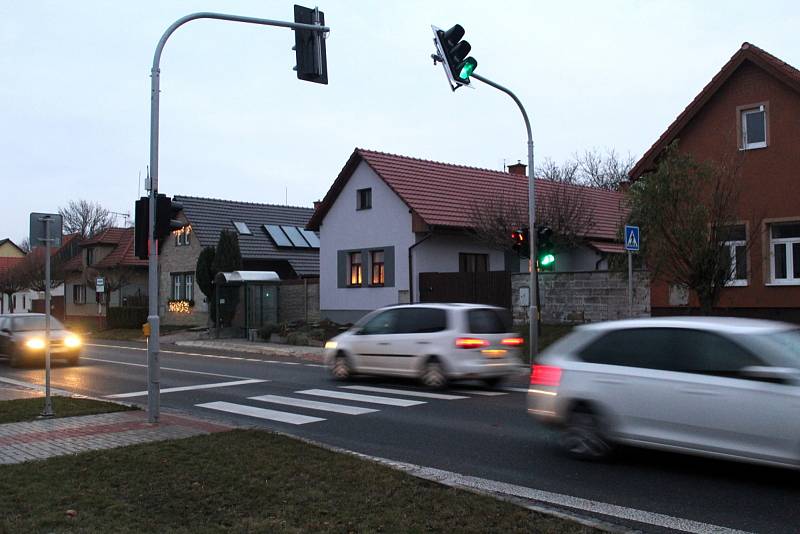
(433,342)
(721,387)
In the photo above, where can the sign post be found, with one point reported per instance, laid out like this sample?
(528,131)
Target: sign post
(631,245)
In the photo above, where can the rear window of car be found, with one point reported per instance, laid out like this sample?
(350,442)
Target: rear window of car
(488,321)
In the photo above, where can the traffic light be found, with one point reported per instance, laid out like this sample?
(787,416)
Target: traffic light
(520,243)
(141,243)
(544,248)
(309,47)
(166,216)
(454,53)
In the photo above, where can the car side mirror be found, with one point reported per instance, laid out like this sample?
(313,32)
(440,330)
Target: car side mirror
(777,375)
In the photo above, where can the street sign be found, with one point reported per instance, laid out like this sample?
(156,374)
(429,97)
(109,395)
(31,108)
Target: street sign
(38,229)
(632,238)
(100,285)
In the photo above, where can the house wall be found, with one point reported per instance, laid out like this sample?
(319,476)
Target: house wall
(298,301)
(581,258)
(91,309)
(770,183)
(7,250)
(180,259)
(387,223)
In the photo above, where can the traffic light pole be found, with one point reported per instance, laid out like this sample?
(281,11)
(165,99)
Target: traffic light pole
(153,349)
(533,312)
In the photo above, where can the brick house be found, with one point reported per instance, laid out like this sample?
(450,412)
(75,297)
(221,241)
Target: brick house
(271,238)
(750,110)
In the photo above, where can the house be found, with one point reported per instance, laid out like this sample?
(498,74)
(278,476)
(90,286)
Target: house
(388,218)
(108,255)
(9,249)
(271,238)
(750,110)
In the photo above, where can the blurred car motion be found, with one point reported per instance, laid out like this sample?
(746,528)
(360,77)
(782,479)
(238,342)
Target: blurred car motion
(433,342)
(22,339)
(721,387)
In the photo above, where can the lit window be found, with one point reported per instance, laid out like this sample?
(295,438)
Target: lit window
(377,267)
(241,228)
(364,199)
(734,239)
(354,262)
(754,128)
(182,236)
(785,253)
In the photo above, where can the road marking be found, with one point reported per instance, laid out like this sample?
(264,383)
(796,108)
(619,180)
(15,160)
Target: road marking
(314,365)
(260,413)
(314,405)
(481,392)
(166,368)
(343,395)
(187,388)
(517,390)
(406,392)
(284,363)
(31,385)
(204,355)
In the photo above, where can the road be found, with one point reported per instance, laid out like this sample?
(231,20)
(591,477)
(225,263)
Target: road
(466,429)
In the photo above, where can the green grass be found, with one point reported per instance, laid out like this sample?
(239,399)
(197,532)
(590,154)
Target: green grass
(243,481)
(14,411)
(119,334)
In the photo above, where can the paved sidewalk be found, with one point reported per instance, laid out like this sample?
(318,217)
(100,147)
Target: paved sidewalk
(270,349)
(45,438)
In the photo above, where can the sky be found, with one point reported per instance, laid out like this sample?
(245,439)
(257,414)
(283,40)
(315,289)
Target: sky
(237,124)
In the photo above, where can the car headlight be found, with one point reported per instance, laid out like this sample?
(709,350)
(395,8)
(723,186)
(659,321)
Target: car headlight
(35,343)
(72,341)
(331,345)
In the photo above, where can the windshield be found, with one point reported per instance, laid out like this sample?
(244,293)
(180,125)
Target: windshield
(781,349)
(33,323)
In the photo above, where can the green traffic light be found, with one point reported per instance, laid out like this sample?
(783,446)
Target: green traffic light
(467,68)
(546,260)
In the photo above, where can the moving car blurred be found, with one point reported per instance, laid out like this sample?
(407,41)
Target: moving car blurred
(721,387)
(434,342)
(22,339)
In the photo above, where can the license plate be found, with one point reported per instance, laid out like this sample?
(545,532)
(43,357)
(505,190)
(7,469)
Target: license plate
(494,353)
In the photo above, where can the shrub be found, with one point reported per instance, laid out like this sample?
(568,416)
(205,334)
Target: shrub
(127,317)
(266,331)
(297,338)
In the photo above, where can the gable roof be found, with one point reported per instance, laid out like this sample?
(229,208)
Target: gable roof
(747,53)
(122,255)
(209,216)
(444,195)
(8,240)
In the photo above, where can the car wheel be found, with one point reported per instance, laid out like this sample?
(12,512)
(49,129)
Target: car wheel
(585,437)
(341,368)
(433,375)
(494,381)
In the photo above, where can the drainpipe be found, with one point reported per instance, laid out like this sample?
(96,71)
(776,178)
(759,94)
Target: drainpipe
(411,267)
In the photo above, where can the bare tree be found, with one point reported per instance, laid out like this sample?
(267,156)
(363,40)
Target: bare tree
(86,218)
(593,168)
(31,270)
(11,281)
(25,245)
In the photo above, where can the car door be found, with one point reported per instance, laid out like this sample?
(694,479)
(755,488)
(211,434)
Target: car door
(418,329)
(372,343)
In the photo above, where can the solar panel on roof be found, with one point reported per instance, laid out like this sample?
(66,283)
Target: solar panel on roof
(242,228)
(311,237)
(277,235)
(294,234)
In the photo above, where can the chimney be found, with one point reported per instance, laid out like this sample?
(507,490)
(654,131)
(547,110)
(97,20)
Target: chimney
(316,204)
(517,168)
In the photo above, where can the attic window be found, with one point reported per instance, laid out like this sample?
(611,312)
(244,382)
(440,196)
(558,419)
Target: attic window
(364,199)
(242,228)
(754,127)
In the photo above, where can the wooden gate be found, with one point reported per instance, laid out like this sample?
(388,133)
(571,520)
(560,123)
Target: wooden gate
(480,288)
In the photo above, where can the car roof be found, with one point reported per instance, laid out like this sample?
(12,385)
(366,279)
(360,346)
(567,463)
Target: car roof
(730,325)
(443,305)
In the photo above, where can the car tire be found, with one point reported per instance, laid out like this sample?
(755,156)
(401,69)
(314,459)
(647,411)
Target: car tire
(433,375)
(585,437)
(493,382)
(341,369)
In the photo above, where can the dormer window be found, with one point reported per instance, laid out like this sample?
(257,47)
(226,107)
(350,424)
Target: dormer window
(364,199)
(89,257)
(753,126)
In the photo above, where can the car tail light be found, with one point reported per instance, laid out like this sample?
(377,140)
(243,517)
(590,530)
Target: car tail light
(545,375)
(471,343)
(512,341)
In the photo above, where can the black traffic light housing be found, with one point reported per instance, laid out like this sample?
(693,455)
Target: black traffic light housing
(546,260)
(520,242)
(454,53)
(166,222)
(141,242)
(309,47)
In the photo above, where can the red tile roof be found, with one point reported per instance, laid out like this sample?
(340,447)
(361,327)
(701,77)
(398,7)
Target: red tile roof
(109,236)
(748,52)
(122,255)
(6,264)
(445,195)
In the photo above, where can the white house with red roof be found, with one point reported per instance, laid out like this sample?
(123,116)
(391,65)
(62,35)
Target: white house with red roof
(388,218)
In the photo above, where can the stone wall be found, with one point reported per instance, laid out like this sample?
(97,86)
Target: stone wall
(299,300)
(582,297)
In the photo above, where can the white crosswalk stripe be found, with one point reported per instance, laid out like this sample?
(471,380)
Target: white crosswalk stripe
(374,399)
(480,392)
(261,413)
(314,405)
(406,392)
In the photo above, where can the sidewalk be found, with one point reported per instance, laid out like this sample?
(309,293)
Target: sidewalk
(313,354)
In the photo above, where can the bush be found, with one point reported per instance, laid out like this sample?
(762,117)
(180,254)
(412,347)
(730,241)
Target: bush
(127,317)
(297,338)
(266,331)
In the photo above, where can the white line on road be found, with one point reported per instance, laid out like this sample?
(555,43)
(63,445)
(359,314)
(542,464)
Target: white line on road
(278,361)
(204,355)
(261,413)
(31,385)
(187,388)
(481,392)
(314,365)
(406,392)
(517,390)
(166,368)
(343,395)
(314,405)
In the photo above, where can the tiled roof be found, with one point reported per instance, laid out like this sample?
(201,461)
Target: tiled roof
(445,195)
(6,264)
(109,236)
(209,216)
(747,52)
(122,239)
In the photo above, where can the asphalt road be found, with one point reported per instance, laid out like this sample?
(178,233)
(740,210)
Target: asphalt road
(471,431)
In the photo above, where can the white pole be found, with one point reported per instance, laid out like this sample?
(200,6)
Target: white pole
(48,402)
(630,284)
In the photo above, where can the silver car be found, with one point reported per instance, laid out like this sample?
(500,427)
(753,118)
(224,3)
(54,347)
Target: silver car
(722,387)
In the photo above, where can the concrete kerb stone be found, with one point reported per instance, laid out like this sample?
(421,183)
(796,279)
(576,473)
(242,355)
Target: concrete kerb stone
(265,349)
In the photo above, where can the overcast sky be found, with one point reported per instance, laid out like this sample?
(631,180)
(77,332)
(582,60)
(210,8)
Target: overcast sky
(237,124)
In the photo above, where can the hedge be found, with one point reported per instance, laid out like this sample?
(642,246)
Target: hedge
(127,317)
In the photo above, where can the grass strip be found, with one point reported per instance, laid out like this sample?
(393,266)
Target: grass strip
(15,411)
(243,481)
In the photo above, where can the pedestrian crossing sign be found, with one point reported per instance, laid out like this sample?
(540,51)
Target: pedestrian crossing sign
(632,238)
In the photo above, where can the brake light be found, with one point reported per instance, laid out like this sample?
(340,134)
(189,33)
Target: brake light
(545,375)
(471,343)
(512,341)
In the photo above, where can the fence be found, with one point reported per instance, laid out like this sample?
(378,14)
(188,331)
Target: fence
(481,288)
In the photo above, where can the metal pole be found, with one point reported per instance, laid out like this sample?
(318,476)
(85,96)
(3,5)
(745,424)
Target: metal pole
(630,284)
(48,401)
(153,348)
(533,311)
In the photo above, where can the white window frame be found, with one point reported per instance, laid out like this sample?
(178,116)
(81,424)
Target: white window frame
(790,280)
(177,286)
(188,286)
(732,281)
(743,121)
(81,294)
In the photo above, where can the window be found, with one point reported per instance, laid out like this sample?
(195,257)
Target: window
(649,348)
(177,286)
(242,228)
(354,268)
(364,199)
(79,294)
(754,127)
(383,323)
(182,236)
(89,256)
(421,320)
(376,257)
(785,253)
(734,239)
(188,292)
(473,263)
(488,321)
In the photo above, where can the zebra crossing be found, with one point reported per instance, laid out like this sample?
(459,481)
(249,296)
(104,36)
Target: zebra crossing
(360,400)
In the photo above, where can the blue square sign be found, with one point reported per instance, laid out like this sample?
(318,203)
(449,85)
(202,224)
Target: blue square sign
(632,238)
